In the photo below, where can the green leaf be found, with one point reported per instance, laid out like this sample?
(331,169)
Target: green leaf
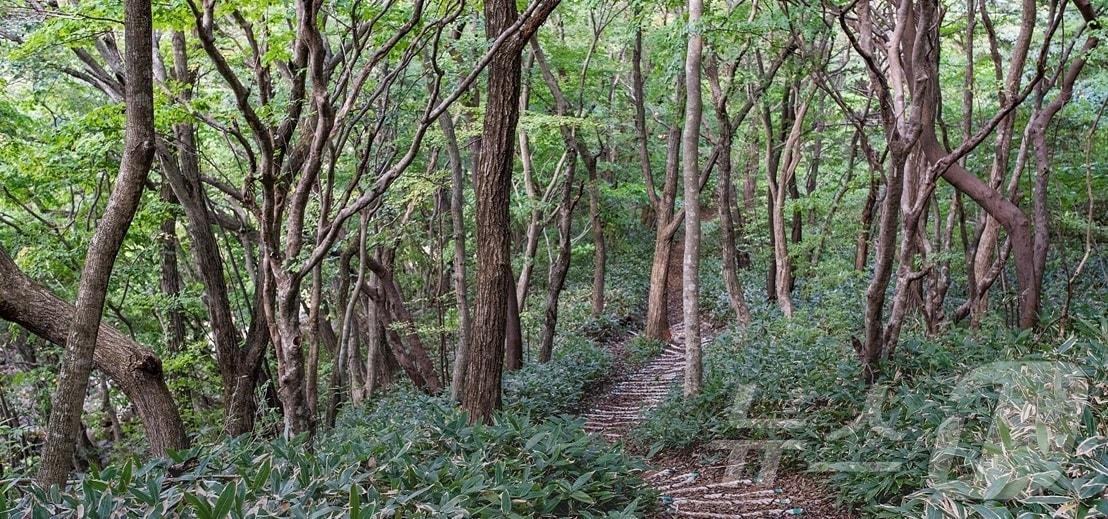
(200,506)
(355,501)
(225,501)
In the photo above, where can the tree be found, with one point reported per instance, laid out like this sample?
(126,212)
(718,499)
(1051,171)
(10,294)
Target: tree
(492,184)
(138,153)
(690,169)
(134,369)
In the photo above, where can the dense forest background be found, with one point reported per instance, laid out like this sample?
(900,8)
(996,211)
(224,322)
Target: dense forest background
(385,258)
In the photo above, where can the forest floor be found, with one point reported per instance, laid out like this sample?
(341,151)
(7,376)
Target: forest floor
(700,482)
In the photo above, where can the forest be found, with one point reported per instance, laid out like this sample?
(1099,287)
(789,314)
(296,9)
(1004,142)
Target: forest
(553,258)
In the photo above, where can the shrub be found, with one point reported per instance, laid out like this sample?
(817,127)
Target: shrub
(543,390)
(641,349)
(409,456)
(804,369)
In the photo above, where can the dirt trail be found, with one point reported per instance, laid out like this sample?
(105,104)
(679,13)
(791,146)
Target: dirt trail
(695,484)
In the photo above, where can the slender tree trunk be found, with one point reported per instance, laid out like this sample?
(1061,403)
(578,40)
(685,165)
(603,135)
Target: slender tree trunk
(415,358)
(870,351)
(315,303)
(534,219)
(513,335)
(861,247)
(174,325)
(832,211)
(110,415)
(347,337)
(375,348)
(690,141)
(237,365)
(600,245)
(457,221)
(724,190)
(557,276)
(138,153)
(773,164)
(790,160)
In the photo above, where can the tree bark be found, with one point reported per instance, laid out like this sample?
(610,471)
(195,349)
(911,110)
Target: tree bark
(724,190)
(778,188)
(237,365)
(665,226)
(414,358)
(174,321)
(134,369)
(138,153)
(690,141)
(457,221)
(600,245)
(492,184)
(557,276)
(513,335)
(861,246)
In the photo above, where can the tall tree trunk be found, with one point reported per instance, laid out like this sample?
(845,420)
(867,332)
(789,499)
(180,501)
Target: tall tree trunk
(138,153)
(1029,307)
(724,190)
(690,141)
(773,164)
(535,217)
(493,183)
(665,225)
(600,245)
(990,230)
(458,227)
(110,415)
(778,188)
(237,365)
(870,351)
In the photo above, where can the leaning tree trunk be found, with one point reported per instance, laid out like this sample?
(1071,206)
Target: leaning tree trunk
(414,358)
(138,153)
(134,369)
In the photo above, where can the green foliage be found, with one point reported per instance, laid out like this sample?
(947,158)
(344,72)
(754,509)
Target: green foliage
(640,350)
(558,386)
(409,456)
(803,370)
